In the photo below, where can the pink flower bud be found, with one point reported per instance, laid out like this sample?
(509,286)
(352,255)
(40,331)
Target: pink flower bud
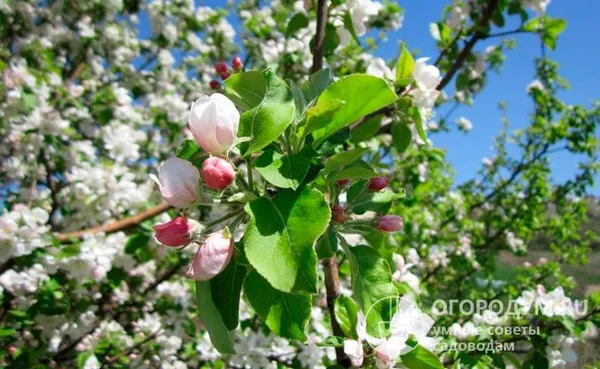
(215,85)
(338,213)
(214,122)
(98,273)
(212,256)
(12,350)
(378,183)
(390,223)
(236,63)
(179,182)
(217,173)
(221,67)
(176,233)
(224,75)
(343,182)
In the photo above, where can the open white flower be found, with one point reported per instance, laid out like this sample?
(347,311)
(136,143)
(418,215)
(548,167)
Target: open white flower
(214,122)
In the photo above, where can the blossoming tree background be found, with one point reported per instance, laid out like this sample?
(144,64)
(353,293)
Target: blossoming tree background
(185,201)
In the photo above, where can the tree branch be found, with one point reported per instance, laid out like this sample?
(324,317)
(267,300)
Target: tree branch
(487,15)
(320,36)
(332,286)
(115,226)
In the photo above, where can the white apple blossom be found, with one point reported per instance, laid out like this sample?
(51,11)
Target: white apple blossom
(464,124)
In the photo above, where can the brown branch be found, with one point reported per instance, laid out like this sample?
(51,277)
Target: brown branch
(332,286)
(51,184)
(116,226)
(78,69)
(113,359)
(320,36)
(487,15)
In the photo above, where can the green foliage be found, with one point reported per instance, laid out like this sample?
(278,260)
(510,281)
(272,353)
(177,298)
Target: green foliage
(367,94)
(401,136)
(285,171)
(285,314)
(420,358)
(296,23)
(404,67)
(280,237)
(268,118)
(372,286)
(220,336)
(226,289)
(346,312)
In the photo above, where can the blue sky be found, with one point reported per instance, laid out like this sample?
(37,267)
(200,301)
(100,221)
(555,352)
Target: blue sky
(577,57)
(578,64)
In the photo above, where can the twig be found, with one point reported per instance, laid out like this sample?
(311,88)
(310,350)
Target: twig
(113,359)
(320,36)
(115,226)
(487,15)
(51,183)
(78,69)
(332,286)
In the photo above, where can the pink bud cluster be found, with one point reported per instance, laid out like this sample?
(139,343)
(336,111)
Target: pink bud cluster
(214,252)
(222,70)
(385,223)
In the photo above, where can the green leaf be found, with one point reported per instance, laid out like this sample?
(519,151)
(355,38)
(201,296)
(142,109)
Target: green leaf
(135,242)
(330,42)
(220,337)
(226,288)
(285,171)
(401,137)
(553,27)
(188,150)
(366,130)
(327,244)
(280,237)
(462,81)
(342,159)
(285,314)
(316,84)
(421,358)
(246,89)
(363,94)
(349,25)
(404,67)
(372,286)
(296,23)
(346,312)
(29,102)
(379,202)
(416,116)
(267,120)
(318,117)
(299,100)
(357,170)
(332,341)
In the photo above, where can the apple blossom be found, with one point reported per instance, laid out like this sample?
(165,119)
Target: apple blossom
(426,76)
(354,348)
(217,173)
(212,257)
(214,122)
(177,232)
(390,223)
(215,85)
(236,63)
(378,183)
(221,67)
(338,213)
(178,181)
